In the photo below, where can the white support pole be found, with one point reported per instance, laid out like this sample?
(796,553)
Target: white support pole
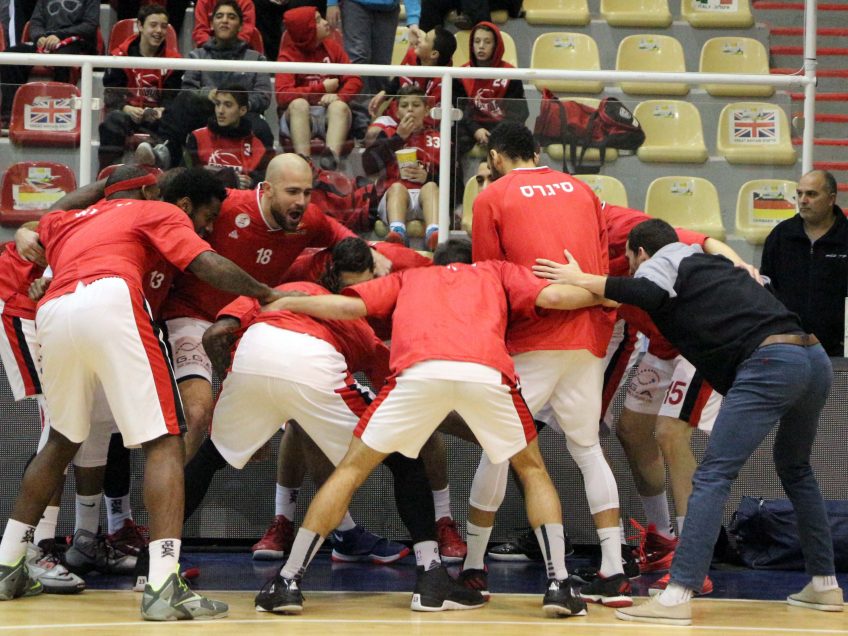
(810,63)
(445,207)
(85,115)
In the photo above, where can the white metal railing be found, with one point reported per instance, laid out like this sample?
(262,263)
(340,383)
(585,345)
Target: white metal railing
(87,63)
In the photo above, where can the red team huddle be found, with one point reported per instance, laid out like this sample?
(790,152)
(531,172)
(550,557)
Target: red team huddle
(497,345)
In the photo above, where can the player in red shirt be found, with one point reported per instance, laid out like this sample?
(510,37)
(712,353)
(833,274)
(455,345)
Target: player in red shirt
(454,360)
(411,187)
(93,325)
(525,212)
(314,105)
(263,231)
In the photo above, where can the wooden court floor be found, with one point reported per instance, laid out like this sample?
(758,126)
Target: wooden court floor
(378,614)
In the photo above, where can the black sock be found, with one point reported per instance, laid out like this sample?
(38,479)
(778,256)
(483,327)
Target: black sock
(413,496)
(199,473)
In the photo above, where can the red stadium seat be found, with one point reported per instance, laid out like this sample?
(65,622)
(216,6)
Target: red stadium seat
(29,188)
(123,29)
(2,40)
(43,114)
(104,174)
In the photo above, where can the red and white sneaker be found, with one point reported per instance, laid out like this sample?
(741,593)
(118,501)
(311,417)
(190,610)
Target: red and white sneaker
(661,584)
(655,551)
(451,546)
(130,539)
(276,542)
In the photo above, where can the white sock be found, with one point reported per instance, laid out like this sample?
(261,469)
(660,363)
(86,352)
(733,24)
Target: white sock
(551,538)
(46,528)
(306,544)
(825,583)
(621,531)
(164,561)
(118,510)
(427,555)
(477,540)
(347,523)
(441,502)
(657,513)
(674,594)
(398,226)
(680,521)
(285,501)
(16,536)
(610,539)
(430,229)
(88,512)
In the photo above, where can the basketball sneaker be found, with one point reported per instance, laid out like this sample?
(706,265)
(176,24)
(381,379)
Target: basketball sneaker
(436,591)
(280,595)
(174,601)
(129,539)
(524,548)
(396,237)
(562,598)
(475,579)
(432,241)
(45,566)
(613,591)
(89,552)
(655,551)
(629,563)
(357,544)
(451,546)
(15,581)
(659,585)
(276,542)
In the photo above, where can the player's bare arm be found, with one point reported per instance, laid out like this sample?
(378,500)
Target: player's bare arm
(328,307)
(218,341)
(223,274)
(566,297)
(38,288)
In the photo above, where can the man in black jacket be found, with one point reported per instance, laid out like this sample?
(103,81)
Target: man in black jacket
(806,258)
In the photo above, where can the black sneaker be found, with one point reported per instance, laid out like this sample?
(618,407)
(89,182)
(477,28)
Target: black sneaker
(524,548)
(614,591)
(436,591)
(562,598)
(475,580)
(280,595)
(629,562)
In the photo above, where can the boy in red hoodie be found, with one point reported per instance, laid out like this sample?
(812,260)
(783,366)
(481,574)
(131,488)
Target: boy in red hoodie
(135,98)
(228,140)
(490,101)
(314,105)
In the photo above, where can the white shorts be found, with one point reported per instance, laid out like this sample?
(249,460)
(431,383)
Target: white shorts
(572,381)
(409,409)
(185,340)
(102,332)
(317,117)
(19,355)
(673,388)
(413,213)
(251,408)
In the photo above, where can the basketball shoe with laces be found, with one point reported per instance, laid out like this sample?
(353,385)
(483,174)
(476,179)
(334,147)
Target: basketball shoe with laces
(477,580)
(174,601)
(655,551)
(276,542)
(15,581)
(562,598)
(451,546)
(129,539)
(45,566)
(613,591)
(357,544)
(436,591)
(659,585)
(280,595)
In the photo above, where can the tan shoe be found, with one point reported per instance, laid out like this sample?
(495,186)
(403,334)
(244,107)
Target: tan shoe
(654,612)
(828,601)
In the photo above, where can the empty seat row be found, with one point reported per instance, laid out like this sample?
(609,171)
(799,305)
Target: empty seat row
(651,53)
(748,133)
(691,203)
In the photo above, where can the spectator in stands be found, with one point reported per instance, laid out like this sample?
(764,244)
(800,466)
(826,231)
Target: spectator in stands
(412,191)
(55,27)
(269,20)
(369,28)
(469,12)
(128,9)
(204,11)
(314,105)
(490,101)
(806,258)
(228,142)
(136,98)
(194,105)
(14,14)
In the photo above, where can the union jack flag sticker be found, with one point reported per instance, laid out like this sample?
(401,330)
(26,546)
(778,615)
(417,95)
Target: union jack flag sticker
(47,113)
(755,126)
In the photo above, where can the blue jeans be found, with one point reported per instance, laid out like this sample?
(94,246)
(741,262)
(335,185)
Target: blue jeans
(777,382)
(369,38)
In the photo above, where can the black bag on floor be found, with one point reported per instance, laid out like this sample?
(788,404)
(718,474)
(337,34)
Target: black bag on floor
(766,534)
